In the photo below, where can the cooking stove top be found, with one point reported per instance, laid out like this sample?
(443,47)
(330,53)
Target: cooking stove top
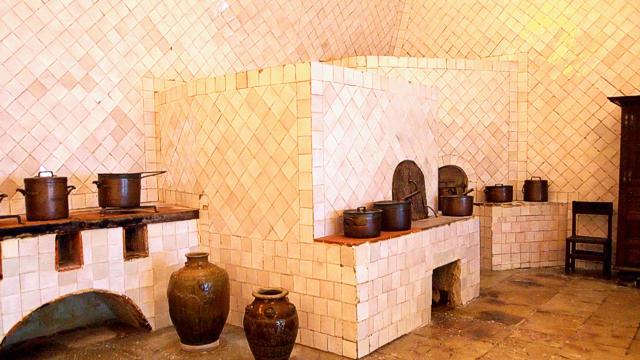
(133,210)
(17,217)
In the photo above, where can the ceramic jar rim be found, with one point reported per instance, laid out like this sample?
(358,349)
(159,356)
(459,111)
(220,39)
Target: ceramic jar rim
(270,293)
(197,255)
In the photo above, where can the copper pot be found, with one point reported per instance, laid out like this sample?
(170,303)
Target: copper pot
(396,214)
(362,223)
(498,193)
(457,205)
(536,189)
(121,190)
(46,197)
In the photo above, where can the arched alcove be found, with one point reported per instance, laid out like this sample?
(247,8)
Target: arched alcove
(74,311)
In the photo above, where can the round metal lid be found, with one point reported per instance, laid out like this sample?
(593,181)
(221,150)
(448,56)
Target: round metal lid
(362,211)
(452,176)
(49,179)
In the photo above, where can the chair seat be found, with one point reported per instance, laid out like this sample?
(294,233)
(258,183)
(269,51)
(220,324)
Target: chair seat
(588,255)
(579,239)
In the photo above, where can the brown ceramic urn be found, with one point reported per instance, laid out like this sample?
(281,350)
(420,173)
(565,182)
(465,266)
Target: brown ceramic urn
(198,302)
(271,324)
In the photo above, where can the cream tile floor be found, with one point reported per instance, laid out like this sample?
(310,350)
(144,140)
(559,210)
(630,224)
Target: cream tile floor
(521,314)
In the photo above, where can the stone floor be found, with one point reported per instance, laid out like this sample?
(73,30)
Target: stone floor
(521,314)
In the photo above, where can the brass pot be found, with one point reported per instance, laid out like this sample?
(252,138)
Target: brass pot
(121,190)
(46,197)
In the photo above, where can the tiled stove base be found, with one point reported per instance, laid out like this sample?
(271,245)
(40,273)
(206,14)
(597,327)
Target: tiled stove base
(393,279)
(30,278)
(522,234)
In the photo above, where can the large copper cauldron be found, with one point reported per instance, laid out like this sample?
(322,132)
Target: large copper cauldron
(46,197)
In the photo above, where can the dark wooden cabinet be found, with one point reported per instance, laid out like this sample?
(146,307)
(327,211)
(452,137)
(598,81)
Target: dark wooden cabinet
(628,243)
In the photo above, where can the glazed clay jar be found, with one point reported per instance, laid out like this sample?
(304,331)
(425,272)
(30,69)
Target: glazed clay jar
(271,324)
(198,302)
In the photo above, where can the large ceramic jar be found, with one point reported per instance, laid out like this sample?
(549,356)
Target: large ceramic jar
(271,324)
(198,302)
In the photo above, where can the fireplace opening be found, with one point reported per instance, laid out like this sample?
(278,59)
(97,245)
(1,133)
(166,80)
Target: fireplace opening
(135,242)
(84,312)
(445,286)
(68,251)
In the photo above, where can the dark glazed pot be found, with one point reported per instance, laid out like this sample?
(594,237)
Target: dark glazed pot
(198,302)
(396,214)
(271,324)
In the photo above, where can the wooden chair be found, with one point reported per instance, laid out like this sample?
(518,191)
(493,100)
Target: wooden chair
(571,253)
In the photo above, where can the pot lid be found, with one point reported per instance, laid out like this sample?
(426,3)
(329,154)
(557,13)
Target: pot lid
(452,176)
(535,179)
(497,186)
(45,178)
(121,175)
(391,202)
(407,179)
(362,211)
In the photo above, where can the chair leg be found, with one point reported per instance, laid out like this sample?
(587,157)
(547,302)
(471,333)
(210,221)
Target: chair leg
(567,258)
(573,260)
(606,264)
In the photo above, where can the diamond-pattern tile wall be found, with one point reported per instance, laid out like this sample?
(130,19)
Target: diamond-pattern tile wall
(240,148)
(363,126)
(578,53)
(476,114)
(70,72)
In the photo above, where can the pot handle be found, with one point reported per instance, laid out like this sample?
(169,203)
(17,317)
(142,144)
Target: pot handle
(498,185)
(536,177)
(152,173)
(97,183)
(411,195)
(361,209)
(70,188)
(2,196)
(44,172)
(270,312)
(24,192)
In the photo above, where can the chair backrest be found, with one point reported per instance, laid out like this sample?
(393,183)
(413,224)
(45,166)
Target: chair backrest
(593,208)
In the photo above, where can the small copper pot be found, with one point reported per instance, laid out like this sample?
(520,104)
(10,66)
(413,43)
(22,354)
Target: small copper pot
(46,197)
(536,189)
(498,193)
(362,223)
(121,190)
(396,214)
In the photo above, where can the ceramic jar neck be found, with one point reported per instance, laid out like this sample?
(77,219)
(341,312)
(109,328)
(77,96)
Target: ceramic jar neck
(196,259)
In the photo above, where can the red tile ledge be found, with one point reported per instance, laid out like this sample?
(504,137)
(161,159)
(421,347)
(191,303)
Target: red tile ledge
(416,226)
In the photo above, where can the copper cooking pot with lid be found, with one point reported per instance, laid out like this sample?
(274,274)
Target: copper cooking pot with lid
(46,197)
(536,189)
(362,223)
(121,190)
